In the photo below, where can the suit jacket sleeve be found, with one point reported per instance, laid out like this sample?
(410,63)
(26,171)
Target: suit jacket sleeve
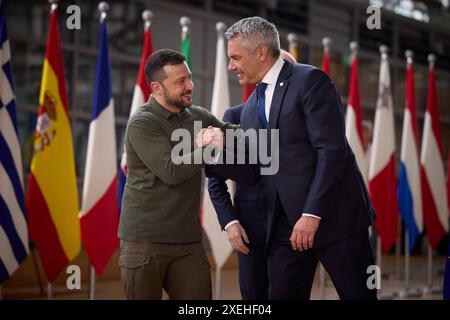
(218,192)
(325,126)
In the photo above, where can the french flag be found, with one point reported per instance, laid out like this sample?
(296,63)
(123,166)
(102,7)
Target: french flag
(409,186)
(382,175)
(99,213)
(435,206)
(140,96)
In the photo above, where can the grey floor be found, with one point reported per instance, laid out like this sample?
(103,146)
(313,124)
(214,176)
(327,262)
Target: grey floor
(392,284)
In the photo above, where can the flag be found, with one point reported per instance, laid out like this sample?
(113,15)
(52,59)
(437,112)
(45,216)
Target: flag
(99,216)
(247,90)
(186,45)
(13,225)
(52,196)
(326,62)
(353,120)
(186,48)
(448,182)
(435,207)
(382,176)
(409,189)
(326,42)
(220,246)
(140,96)
(447,265)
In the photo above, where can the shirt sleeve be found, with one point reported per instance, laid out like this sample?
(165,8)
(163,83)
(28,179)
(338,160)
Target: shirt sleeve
(154,148)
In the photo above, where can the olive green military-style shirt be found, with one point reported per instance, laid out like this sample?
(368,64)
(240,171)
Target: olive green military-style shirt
(161,199)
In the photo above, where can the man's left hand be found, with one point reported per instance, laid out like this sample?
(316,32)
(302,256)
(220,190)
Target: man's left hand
(302,237)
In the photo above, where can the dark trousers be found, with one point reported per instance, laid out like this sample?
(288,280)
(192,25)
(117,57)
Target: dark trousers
(253,278)
(291,273)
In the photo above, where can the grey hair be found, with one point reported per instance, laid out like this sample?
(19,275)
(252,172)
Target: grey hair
(256,31)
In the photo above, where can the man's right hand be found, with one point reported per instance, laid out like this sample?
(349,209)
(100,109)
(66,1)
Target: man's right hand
(237,236)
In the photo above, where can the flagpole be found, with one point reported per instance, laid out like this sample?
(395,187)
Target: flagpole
(49,291)
(326,42)
(53,7)
(92,283)
(321,281)
(218,283)
(103,7)
(293,45)
(147,16)
(430,268)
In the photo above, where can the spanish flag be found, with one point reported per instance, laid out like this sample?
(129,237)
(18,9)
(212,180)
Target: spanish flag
(52,198)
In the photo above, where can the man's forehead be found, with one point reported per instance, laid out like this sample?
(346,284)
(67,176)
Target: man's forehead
(177,70)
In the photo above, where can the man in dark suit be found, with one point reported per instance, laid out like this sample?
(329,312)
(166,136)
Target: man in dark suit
(245,220)
(319,207)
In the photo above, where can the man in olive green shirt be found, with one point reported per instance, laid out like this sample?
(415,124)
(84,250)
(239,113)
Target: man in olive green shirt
(159,226)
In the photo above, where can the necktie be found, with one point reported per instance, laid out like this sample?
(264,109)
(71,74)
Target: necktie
(260,89)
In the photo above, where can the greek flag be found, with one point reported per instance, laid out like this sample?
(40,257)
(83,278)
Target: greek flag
(13,226)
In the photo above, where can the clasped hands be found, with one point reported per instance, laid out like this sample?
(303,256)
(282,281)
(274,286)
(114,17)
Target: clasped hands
(210,135)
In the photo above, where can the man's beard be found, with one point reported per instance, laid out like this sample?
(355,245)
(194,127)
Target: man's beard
(179,103)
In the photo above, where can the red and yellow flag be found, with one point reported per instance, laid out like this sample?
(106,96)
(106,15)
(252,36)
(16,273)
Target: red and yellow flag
(52,198)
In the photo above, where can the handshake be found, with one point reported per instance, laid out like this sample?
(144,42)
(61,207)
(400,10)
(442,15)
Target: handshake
(209,136)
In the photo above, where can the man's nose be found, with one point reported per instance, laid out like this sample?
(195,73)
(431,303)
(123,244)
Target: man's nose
(189,85)
(231,66)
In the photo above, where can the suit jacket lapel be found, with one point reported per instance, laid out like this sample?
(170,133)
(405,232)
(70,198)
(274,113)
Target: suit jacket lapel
(278,95)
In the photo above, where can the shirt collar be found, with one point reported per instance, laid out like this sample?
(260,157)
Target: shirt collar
(166,113)
(271,76)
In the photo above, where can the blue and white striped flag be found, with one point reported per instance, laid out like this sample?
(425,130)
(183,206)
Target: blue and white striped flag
(13,225)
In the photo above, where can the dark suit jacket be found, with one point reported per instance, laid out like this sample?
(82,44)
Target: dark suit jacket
(249,202)
(317,172)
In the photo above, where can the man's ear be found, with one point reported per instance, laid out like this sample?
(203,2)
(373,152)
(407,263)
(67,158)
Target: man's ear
(262,52)
(156,88)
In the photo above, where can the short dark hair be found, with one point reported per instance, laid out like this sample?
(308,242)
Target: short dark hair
(155,63)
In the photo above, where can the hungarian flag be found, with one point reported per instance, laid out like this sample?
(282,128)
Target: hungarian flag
(435,206)
(409,188)
(382,175)
(140,96)
(99,215)
(220,245)
(52,197)
(353,120)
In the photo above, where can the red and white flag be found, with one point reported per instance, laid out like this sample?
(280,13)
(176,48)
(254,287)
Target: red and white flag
(220,246)
(326,58)
(382,174)
(353,120)
(434,194)
(140,95)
